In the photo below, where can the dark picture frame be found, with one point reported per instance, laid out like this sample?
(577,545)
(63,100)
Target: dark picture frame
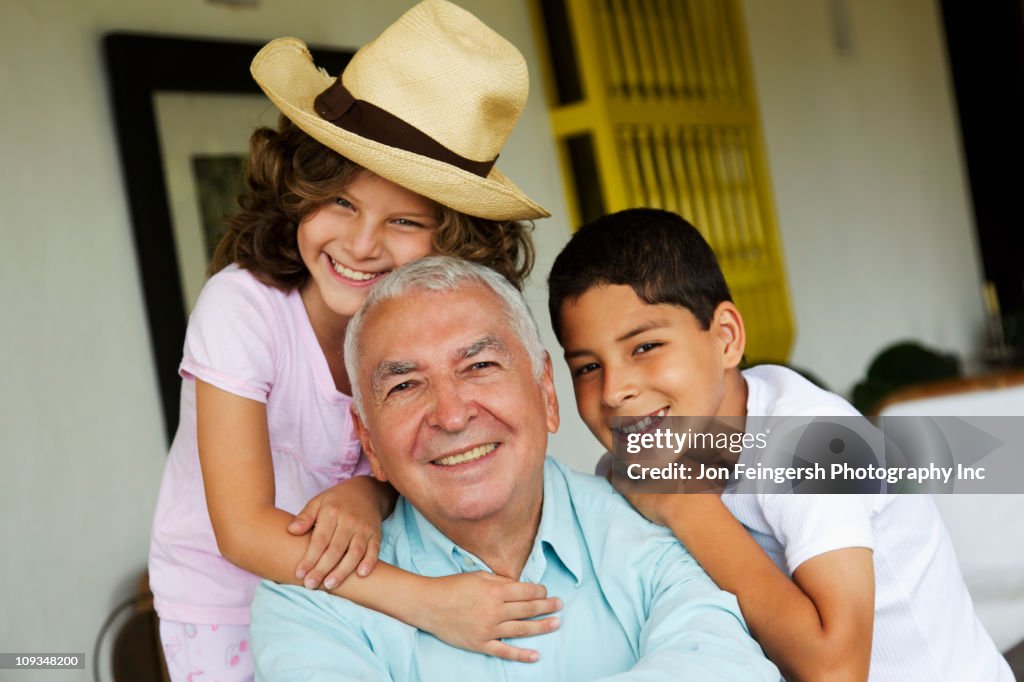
(138,67)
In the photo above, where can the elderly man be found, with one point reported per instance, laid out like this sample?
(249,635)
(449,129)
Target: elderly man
(454,401)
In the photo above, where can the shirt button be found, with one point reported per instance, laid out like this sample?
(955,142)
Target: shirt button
(468,563)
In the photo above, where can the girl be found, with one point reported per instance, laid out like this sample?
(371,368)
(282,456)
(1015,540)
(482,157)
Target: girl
(390,162)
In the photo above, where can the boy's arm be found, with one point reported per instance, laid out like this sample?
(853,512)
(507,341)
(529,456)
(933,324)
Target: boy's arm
(816,628)
(238,475)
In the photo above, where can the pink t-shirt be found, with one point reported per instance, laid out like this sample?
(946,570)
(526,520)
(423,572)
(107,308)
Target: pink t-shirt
(253,341)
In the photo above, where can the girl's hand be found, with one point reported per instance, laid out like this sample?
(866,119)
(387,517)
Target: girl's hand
(475,610)
(345,522)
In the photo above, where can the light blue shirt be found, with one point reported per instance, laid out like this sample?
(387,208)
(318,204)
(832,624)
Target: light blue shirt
(637,606)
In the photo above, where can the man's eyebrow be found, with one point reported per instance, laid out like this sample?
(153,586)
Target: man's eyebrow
(635,331)
(488,342)
(387,369)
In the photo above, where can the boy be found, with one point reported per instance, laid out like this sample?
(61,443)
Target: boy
(869,587)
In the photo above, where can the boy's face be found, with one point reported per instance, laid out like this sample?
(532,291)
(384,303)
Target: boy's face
(629,358)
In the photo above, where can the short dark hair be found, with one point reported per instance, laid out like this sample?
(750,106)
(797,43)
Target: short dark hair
(660,255)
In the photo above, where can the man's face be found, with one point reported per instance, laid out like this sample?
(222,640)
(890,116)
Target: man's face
(454,417)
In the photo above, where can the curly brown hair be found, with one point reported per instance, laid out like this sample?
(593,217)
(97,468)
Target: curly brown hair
(289,175)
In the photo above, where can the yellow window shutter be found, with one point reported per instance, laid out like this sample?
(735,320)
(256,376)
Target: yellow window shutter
(653,105)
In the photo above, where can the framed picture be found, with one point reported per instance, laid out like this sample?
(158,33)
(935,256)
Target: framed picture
(183,110)
(203,142)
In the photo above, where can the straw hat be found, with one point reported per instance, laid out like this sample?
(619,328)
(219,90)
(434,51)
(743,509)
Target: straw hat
(428,105)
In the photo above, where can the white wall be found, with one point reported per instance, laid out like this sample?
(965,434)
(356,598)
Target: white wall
(869,183)
(865,166)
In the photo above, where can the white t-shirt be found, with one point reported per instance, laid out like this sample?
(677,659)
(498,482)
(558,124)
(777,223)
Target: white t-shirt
(925,625)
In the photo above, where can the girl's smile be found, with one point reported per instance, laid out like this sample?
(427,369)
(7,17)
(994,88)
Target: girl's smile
(354,277)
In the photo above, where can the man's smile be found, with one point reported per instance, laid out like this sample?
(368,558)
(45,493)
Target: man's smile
(470,455)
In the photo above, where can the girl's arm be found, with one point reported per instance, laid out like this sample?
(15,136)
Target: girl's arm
(817,626)
(471,610)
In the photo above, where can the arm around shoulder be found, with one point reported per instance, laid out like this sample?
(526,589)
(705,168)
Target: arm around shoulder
(817,626)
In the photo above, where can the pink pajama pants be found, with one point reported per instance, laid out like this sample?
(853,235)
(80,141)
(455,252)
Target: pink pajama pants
(207,653)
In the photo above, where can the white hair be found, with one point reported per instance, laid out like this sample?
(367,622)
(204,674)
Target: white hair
(443,274)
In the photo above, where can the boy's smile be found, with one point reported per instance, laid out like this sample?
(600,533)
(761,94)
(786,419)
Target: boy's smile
(630,358)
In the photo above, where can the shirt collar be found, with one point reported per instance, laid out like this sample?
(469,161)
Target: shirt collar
(558,529)
(434,555)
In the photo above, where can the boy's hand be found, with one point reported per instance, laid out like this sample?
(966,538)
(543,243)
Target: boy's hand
(663,508)
(474,611)
(345,536)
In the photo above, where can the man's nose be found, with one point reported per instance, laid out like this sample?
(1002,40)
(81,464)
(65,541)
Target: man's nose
(452,409)
(365,240)
(616,388)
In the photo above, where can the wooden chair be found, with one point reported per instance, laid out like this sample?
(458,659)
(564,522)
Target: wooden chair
(137,655)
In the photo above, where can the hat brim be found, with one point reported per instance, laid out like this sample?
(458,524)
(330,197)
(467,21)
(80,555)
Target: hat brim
(285,71)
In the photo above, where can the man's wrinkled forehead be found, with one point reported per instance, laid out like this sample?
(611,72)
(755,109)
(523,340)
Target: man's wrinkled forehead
(392,353)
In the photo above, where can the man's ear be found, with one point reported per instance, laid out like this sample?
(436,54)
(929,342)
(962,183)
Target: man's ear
(547,382)
(727,323)
(364,439)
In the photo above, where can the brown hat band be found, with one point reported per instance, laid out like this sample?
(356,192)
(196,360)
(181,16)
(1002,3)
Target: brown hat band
(337,105)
